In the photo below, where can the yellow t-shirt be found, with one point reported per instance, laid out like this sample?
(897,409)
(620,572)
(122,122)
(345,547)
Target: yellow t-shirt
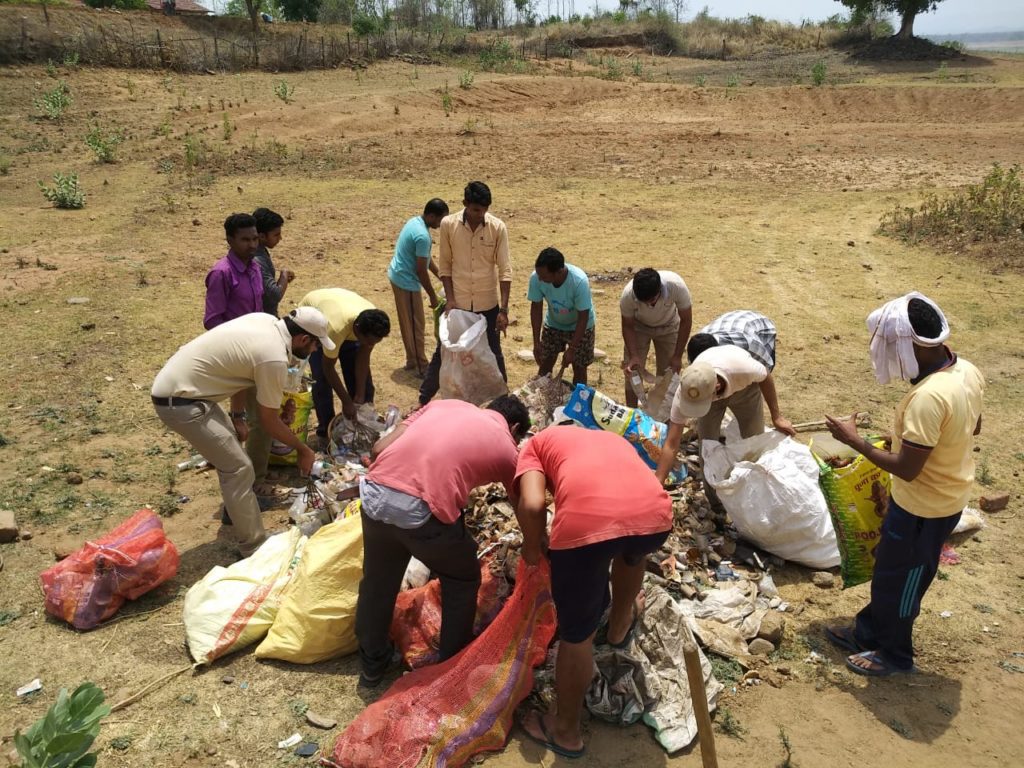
(940,413)
(341,308)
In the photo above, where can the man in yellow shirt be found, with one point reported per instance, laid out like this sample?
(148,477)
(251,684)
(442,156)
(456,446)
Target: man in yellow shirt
(356,327)
(932,466)
(476,271)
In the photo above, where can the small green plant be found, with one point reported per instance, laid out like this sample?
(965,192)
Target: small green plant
(700,81)
(5,165)
(121,743)
(466,80)
(227,129)
(729,725)
(954,45)
(446,101)
(66,192)
(787,748)
(170,205)
(103,144)
(64,735)
(166,506)
(638,68)
(298,707)
(129,85)
(164,129)
(613,69)
(726,670)
(195,151)
(818,73)
(55,102)
(984,473)
(732,81)
(71,60)
(285,92)
(51,68)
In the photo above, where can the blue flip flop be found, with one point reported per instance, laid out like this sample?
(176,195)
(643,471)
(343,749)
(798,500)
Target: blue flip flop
(549,743)
(885,668)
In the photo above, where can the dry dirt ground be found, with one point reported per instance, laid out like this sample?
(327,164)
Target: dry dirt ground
(763,197)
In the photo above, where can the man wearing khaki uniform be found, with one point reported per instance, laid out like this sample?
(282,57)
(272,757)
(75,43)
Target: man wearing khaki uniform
(474,267)
(250,351)
(656,308)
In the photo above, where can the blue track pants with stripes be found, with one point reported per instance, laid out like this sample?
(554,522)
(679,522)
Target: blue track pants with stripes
(906,560)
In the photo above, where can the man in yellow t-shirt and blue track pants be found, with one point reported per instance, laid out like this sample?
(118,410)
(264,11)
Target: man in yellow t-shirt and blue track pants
(932,466)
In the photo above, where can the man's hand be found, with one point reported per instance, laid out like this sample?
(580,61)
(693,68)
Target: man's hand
(349,410)
(502,322)
(633,364)
(306,457)
(241,428)
(676,364)
(288,274)
(784,425)
(843,430)
(532,552)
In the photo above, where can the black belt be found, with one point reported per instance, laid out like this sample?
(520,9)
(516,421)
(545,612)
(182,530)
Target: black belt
(172,401)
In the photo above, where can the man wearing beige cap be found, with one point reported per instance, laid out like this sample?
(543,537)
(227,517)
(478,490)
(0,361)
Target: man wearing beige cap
(727,374)
(250,351)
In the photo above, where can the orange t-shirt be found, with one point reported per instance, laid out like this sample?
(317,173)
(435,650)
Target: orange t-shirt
(602,488)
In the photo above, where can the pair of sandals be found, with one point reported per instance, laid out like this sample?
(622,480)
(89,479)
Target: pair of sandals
(845,638)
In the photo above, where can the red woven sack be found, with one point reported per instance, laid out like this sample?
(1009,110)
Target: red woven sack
(444,714)
(89,586)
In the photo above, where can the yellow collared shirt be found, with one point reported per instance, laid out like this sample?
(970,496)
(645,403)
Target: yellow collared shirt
(475,261)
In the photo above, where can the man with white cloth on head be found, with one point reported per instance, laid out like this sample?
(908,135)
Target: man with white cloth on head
(932,466)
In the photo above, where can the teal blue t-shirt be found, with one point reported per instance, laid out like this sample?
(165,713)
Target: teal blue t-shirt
(413,243)
(566,301)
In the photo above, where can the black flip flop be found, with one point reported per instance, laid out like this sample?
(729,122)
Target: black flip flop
(549,743)
(628,638)
(885,669)
(843,637)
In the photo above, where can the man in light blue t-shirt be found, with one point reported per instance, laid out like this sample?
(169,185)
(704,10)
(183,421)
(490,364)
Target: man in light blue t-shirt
(569,324)
(408,275)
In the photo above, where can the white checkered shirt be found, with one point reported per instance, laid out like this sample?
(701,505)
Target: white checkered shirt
(747,330)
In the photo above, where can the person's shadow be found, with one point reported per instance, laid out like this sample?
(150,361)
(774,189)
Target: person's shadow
(919,707)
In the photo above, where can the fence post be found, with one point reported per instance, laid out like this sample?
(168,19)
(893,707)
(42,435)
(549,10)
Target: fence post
(24,36)
(216,54)
(160,47)
(348,44)
(323,56)
(206,64)
(723,49)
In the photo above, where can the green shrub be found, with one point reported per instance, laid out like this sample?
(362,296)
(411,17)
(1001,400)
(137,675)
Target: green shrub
(54,103)
(64,735)
(284,92)
(818,73)
(497,56)
(103,144)
(466,79)
(65,192)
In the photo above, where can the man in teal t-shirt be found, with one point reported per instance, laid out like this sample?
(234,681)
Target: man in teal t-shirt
(409,278)
(569,324)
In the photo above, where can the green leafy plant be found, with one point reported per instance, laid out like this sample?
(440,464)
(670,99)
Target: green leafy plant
(818,73)
(613,69)
(466,80)
(71,60)
(729,725)
(446,101)
(732,81)
(103,144)
(195,151)
(63,736)
(638,68)
(5,165)
(284,92)
(943,71)
(66,192)
(54,103)
(227,128)
(700,81)
(51,68)
(787,748)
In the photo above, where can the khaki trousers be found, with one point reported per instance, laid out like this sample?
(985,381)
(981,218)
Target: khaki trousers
(412,323)
(747,407)
(664,340)
(257,446)
(208,429)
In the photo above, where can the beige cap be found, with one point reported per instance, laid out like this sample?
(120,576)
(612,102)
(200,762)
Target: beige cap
(697,386)
(313,322)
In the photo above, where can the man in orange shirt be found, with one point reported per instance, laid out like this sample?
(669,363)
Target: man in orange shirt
(610,510)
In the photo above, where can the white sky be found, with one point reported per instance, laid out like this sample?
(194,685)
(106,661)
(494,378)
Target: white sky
(952,16)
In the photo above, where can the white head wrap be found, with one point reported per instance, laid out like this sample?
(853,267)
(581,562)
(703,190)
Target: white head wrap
(893,339)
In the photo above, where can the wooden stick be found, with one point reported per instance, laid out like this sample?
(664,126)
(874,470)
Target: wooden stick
(863,420)
(699,697)
(135,697)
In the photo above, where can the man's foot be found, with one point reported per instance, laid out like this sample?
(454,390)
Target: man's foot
(626,637)
(373,678)
(871,664)
(225,519)
(270,491)
(843,637)
(540,729)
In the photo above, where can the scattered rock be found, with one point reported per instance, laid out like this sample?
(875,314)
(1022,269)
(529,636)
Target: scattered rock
(526,355)
(784,671)
(308,749)
(760,647)
(320,721)
(850,243)
(78,300)
(88,326)
(228,679)
(73,478)
(773,625)
(599,354)
(823,579)
(231,764)
(195,222)
(25,535)
(8,526)
(211,750)
(994,502)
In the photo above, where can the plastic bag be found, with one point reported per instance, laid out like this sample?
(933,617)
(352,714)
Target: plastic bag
(89,586)
(444,714)
(769,485)
(295,408)
(230,608)
(317,617)
(659,399)
(416,624)
(594,410)
(858,498)
(469,369)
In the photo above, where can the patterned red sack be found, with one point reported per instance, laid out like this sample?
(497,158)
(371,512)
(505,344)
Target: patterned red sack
(443,715)
(89,586)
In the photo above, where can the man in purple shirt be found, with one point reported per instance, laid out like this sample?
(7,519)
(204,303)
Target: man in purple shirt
(234,287)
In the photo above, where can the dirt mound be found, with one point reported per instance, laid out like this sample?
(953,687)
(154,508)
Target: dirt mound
(895,49)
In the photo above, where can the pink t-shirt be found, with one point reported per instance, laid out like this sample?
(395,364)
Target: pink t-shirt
(449,448)
(602,488)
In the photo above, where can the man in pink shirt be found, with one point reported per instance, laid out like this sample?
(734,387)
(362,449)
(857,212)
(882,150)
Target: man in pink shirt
(609,510)
(413,497)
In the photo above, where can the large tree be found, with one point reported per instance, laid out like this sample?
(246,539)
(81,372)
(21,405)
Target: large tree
(907,9)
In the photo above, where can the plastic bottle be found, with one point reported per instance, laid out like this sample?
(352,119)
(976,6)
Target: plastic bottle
(637,385)
(195,462)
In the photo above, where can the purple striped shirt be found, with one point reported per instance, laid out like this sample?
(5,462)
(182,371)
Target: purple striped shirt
(233,289)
